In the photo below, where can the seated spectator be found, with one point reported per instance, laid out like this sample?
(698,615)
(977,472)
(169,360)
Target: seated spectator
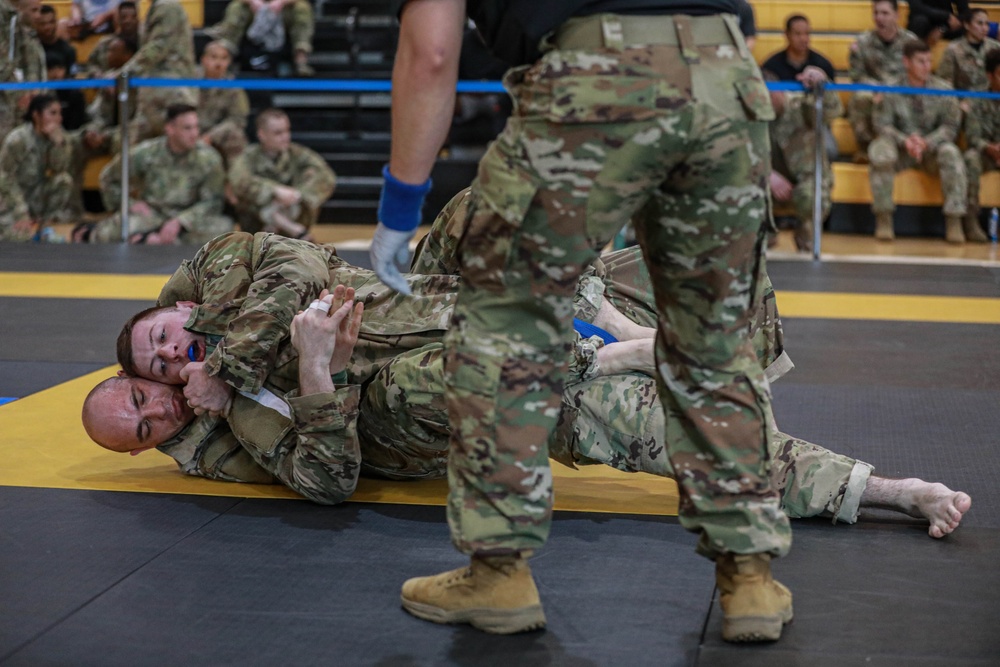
(793,136)
(279,186)
(962,62)
(175,184)
(45,28)
(128,30)
(931,20)
(74,106)
(88,17)
(103,110)
(35,164)
(875,58)
(23,61)
(269,25)
(918,132)
(222,112)
(982,133)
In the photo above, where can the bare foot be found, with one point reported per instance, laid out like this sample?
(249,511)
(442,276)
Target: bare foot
(941,506)
(627,356)
(619,326)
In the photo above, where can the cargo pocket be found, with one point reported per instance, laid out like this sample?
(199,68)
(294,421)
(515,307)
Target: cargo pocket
(755,99)
(258,427)
(475,385)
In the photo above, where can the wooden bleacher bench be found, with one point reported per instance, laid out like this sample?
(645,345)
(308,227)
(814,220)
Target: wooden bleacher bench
(911,187)
(92,172)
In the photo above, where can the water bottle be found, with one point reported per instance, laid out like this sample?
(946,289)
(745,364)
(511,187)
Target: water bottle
(994,220)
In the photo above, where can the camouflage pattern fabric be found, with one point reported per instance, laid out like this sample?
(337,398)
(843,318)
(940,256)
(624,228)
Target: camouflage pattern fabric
(793,149)
(222,116)
(187,187)
(982,127)
(37,177)
(963,65)
(297,17)
(936,119)
(872,61)
(254,175)
(28,64)
(167,51)
(674,138)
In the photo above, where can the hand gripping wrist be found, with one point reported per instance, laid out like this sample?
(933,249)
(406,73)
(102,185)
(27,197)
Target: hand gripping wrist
(400,204)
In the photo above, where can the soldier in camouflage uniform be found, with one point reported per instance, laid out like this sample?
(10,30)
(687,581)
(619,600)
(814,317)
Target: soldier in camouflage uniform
(296,17)
(961,64)
(876,58)
(22,59)
(36,163)
(652,117)
(222,112)
(982,134)
(175,184)
(128,29)
(279,186)
(917,131)
(167,51)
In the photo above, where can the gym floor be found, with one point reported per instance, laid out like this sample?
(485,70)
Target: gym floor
(111,560)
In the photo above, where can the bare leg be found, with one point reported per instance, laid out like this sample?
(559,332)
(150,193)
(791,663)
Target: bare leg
(627,356)
(619,326)
(928,500)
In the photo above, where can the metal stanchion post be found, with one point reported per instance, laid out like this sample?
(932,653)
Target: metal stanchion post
(820,148)
(123,117)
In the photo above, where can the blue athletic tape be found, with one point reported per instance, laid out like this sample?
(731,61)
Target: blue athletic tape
(7,399)
(586,329)
(400,203)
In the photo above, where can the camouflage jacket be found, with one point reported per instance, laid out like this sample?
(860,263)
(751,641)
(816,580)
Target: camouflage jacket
(872,61)
(254,175)
(982,124)
(167,45)
(963,66)
(309,444)
(935,118)
(187,186)
(27,160)
(222,105)
(28,62)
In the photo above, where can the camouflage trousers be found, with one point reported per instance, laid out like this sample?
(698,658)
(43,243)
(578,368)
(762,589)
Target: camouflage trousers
(49,200)
(976,164)
(886,159)
(297,17)
(798,165)
(859,113)
(676,140)
(109,230)
(229,140)
(276,217)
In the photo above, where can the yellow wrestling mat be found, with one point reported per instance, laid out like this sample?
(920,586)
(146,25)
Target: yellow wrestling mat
(44,445)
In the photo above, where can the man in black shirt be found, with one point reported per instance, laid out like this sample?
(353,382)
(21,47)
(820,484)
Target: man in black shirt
(789,63)
(46,28)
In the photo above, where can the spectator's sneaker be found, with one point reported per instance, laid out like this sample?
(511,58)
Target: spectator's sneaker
(495,594)
(755,607)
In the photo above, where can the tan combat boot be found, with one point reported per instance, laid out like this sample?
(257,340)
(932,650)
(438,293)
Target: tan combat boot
(953,229)
(973,231)
(883,227)
(754,606)
(804,236)
(495,594)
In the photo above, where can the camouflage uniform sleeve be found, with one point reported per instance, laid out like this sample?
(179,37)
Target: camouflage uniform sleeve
(322,457)
(948,120)
(165,22)
(279,279)
(210,192)
(974,134)
(855,63)
(208,448)
(832,106)
(884,119)
(11,157)
(948,65)
(317,180)
(249,188)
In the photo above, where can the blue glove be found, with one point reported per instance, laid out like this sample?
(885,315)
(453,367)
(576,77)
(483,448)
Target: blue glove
(399,216)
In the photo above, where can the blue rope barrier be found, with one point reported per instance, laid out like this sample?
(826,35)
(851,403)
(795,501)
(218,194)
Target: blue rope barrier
(385,86)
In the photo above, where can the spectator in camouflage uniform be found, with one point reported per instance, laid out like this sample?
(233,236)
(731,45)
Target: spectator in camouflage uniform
(397,427)
(982,134)
(167,51)
(128,29)
(962,62)
(280,186)
(918,132)
(297,23)
(222,112)
(875,58)
(21,59)
(175,184)
(36,163)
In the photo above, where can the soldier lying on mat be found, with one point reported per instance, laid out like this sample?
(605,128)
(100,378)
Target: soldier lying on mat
(397,428)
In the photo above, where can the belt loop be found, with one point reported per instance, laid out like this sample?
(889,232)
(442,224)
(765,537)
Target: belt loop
(682,24)
(737,35)
(612,31)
